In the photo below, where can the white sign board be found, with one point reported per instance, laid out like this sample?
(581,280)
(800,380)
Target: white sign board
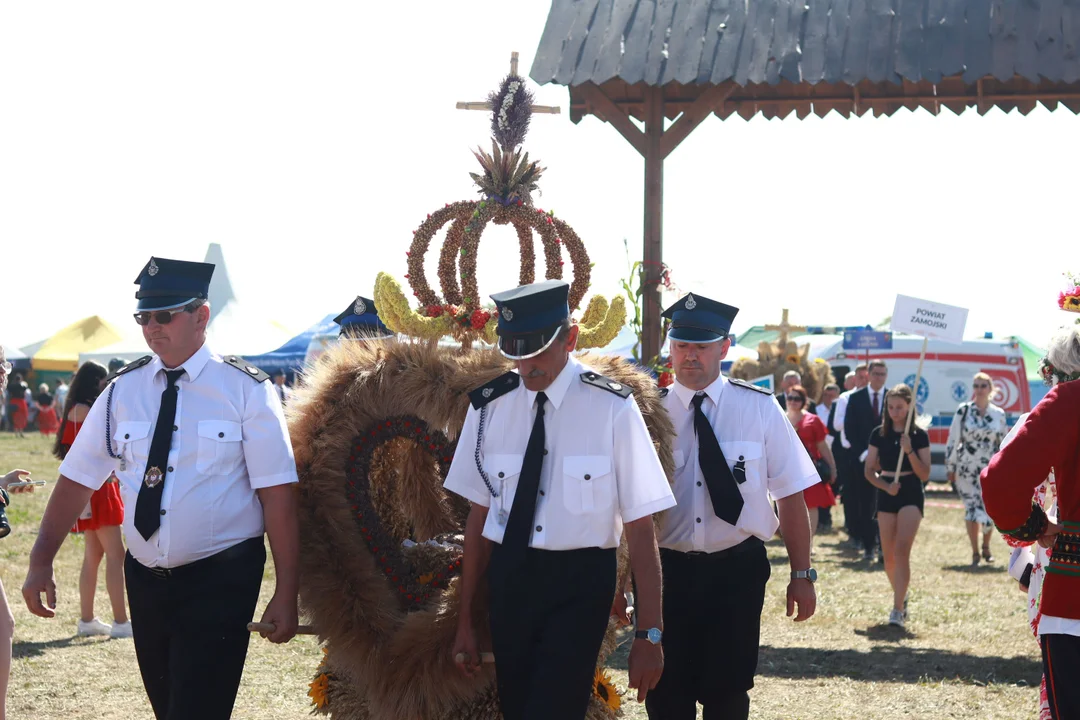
(929,319)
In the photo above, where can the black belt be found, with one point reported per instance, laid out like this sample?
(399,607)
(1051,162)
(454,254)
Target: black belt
(751,543)
(237,551)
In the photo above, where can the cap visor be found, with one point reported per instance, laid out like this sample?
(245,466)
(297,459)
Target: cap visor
(152,304)
(528,345)
(694,335)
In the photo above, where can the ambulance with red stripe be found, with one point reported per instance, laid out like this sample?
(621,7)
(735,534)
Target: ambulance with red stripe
(946,379)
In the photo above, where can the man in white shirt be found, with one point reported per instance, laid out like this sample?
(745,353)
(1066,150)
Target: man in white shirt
(201,450)
(556,461)
(735,452)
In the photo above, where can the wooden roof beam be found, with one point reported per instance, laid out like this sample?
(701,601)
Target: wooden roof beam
(615,115)
(693,115)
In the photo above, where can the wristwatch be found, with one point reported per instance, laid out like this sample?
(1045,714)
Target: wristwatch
(810,575)
(653,635)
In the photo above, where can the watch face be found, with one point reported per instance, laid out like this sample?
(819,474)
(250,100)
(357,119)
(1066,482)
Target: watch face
(655,636)
(811,575)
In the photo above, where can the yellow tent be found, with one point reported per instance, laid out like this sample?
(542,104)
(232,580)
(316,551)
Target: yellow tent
(60,353)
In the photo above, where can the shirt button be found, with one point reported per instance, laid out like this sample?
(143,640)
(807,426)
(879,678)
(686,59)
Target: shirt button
(588,477)
(221,435)
(539,528)
(163,511)
(170,469)
(175,428)
(541,493)
(127,436)
(545,451)
(501,475)
(699,483)
(699,519)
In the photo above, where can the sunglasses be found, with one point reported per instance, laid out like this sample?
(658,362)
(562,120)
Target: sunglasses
(161,317)
(981,386)
(794,398)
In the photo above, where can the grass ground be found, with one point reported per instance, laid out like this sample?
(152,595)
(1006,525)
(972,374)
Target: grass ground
(966,651)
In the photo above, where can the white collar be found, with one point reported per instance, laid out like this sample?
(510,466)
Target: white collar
(556,391)
(686,395)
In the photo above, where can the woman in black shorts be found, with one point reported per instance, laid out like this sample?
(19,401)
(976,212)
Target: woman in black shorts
(899,497)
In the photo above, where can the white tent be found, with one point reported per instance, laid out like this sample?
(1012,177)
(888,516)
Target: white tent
(235,328)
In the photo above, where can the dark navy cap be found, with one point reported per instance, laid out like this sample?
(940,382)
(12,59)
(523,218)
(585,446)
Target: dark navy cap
(697,319)
(165,284)
(361,318)
(530,317)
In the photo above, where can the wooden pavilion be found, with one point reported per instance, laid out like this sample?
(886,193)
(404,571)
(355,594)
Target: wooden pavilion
(682,60)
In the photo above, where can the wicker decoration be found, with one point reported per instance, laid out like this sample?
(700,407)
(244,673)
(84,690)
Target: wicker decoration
(776,360)
(506,186)
(374,426)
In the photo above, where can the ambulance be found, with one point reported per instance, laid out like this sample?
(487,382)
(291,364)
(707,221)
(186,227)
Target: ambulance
(946,378)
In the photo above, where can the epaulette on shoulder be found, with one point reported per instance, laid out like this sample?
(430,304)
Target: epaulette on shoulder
(612,386)
(749,386)
(133,365)
(250,370)
(493,389)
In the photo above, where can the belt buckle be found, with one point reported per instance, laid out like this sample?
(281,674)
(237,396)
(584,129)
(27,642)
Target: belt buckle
(163,573)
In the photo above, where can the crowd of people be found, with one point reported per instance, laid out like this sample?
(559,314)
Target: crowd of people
(572,467)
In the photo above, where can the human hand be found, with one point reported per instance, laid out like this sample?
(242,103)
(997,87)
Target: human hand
(466,654)
(1049,535)
(16,476)
(893,488)
(40,579)
(646,665)
(905,443)
(621,610)
(281,612)
(801,593)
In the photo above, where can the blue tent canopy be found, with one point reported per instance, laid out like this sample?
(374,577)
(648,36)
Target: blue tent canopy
(290,356)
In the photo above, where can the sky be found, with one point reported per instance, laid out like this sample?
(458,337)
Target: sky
(309,140)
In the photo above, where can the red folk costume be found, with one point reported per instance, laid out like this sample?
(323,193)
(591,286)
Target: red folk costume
(811,432)
(1049,440)
(106,505)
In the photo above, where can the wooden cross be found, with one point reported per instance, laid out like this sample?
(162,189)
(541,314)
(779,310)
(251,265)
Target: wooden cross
(550,110)
(784,327)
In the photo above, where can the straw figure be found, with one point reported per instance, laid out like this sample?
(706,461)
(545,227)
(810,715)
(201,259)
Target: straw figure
(776,359)
(374,426)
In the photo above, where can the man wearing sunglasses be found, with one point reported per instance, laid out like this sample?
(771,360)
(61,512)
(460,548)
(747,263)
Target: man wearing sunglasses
(201,450)
(735,451)
(556,460)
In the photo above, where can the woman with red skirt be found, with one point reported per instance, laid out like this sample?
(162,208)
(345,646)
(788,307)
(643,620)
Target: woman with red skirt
(20,412)
(814,436)
(101,520)
(47,421)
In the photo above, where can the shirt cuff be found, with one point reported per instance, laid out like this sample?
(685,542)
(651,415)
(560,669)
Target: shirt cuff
(285,478)
(789,489)
(471,494)
(652,508)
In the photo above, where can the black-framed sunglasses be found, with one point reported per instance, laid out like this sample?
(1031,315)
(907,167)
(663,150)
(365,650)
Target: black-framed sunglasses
(794,398)
(162,317)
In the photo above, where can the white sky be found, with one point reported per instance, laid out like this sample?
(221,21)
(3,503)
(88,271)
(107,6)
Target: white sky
(311,139)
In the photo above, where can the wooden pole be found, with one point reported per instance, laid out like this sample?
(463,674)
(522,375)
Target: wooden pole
(911,410)
(653,251)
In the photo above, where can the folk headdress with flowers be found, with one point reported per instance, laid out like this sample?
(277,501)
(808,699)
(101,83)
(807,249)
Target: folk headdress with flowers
(1068,300)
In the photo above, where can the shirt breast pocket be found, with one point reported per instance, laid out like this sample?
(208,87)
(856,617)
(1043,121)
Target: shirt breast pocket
(588,483)
(220,447)
(745,460)
(133,442)
(503,471)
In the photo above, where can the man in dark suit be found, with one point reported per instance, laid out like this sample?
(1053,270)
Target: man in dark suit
(791,379)
(863,414)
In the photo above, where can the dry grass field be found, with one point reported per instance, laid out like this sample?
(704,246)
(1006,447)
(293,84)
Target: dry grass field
(966,652)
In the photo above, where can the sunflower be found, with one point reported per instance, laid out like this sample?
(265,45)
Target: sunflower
(604,689)
(319,688)
(793,359)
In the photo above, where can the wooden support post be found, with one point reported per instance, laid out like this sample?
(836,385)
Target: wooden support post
(653,254)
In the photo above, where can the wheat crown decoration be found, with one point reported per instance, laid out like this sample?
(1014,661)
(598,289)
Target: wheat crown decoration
(506,184)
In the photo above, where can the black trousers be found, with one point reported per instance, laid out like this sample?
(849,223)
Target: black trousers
(861,504)
(190,629)
(548,618)
(1061,666)
(712,628)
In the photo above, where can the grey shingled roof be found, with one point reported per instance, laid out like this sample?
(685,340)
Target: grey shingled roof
(812,44)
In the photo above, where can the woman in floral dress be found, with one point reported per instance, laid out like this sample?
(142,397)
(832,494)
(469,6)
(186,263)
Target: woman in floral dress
(976,433)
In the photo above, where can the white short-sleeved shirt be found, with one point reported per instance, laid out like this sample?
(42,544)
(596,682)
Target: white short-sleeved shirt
(231,440)
(600,470)
(750,426)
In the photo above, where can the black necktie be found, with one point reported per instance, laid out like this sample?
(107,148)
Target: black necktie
(148,505)
(519,525)
(727,501)
(877,408)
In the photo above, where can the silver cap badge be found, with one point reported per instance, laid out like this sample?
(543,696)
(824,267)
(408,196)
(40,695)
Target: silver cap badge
(359,307)
(153,269)
(507,313)
(691,303)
